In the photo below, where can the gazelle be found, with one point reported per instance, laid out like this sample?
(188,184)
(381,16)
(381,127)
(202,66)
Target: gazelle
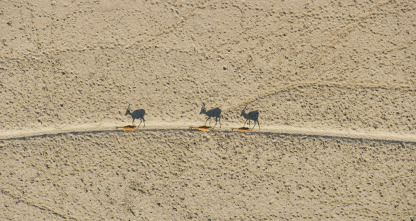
(215,112)
(137,114)
(253,115)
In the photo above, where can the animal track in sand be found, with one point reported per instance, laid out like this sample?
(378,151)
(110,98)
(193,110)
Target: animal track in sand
(162,127)
(291,86)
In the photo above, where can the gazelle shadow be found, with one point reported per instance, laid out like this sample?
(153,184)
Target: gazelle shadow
(252,115)
(215,112)
(137,114)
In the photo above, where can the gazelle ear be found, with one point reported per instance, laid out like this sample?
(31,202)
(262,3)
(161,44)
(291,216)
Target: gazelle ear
(203,104)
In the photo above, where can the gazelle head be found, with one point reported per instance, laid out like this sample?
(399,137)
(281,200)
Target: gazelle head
(243,111)
(128,110)
(203,109)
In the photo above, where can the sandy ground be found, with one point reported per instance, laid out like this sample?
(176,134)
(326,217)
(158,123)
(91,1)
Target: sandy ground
(335,84)
(177,174)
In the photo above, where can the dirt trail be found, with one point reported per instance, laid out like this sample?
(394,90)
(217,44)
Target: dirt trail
(161,126)
(318,84)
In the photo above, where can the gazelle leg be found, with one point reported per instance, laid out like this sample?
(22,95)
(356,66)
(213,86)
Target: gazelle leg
(258,123)
(215,123)
(207,120)
(139,123)
(245,123)
(219,119)
(144,123)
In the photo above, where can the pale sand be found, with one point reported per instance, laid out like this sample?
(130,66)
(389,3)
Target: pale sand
(335,84)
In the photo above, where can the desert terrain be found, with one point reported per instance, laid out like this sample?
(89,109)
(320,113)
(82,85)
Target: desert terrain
(334,82)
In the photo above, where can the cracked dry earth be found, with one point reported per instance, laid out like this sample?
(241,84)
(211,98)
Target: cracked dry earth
(338,67)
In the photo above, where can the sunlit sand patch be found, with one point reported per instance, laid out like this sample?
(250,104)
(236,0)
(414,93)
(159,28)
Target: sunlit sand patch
(241,129)
(202,128)
(128,127)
